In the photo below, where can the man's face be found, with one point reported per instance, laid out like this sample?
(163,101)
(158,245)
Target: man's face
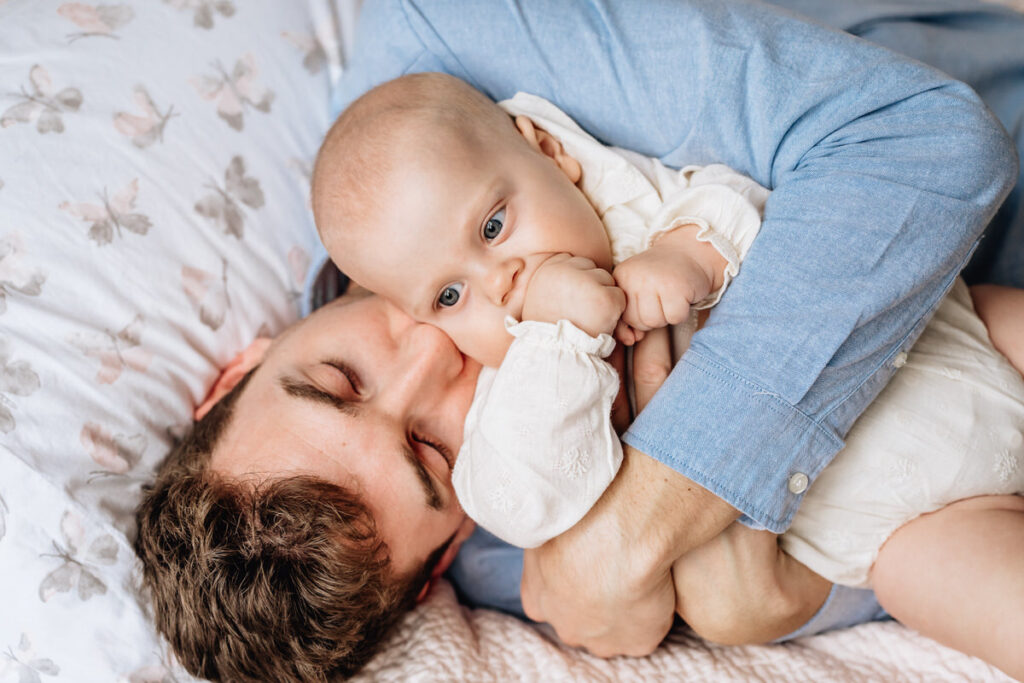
(361,395)
(467,222)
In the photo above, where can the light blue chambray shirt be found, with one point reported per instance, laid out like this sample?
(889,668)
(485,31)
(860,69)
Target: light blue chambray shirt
(884,173)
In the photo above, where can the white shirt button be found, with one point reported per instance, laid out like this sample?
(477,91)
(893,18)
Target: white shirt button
(899,360)
(798,483)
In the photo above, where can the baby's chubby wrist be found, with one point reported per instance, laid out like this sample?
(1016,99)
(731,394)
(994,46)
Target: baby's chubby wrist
(684,243)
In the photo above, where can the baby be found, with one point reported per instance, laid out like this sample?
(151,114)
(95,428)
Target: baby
(530,243)
(519,276)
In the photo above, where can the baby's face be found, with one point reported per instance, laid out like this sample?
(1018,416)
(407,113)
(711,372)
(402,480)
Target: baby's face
(462,231)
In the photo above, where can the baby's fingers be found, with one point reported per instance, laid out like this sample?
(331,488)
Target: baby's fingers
(643,311)
(580,262)
(675,309)
(602,276)
(625,334)
(630,317)
(618,298)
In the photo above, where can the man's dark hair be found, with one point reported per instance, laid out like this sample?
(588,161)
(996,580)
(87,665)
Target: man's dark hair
(285,580)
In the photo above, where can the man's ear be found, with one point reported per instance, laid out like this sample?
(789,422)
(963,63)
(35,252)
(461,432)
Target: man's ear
(233,374)
(546,144)
(464,531)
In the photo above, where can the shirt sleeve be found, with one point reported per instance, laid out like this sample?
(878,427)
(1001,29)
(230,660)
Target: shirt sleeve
(539,447)
(883,174)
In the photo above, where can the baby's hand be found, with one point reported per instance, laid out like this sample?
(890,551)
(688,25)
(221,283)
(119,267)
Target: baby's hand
(662,282)
(573,288)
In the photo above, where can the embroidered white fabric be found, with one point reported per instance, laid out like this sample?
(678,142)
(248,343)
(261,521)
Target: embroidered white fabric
(539,447)
(948,426)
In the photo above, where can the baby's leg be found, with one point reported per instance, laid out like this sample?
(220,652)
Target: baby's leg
(739,587)
(957,575)
(1002,311)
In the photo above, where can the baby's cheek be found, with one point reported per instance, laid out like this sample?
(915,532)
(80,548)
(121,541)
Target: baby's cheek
(485,343)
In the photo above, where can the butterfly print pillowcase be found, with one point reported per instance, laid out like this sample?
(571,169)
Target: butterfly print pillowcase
(154,219)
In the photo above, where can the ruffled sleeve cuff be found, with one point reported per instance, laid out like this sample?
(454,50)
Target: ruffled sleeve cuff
(725,218)
(562,335)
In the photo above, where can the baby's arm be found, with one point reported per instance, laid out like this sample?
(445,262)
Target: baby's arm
(696,243)
(662,282)
(539,446)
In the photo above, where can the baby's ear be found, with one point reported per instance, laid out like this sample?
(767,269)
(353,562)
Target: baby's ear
(545,143)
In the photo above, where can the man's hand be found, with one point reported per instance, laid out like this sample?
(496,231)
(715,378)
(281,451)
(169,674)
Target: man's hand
(739,588)
(573,288)
(605,584)
(662,282)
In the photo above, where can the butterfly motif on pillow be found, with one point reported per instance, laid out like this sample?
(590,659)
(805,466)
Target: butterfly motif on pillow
(112,214)
(221,206)
(146,129)
(43,104)
(203,10)
(114,350)
(314,58)
(208,293)
(16,379)
(235,91)
(95,20)
(78,565)
(28,666)
(115,453)
(15,275)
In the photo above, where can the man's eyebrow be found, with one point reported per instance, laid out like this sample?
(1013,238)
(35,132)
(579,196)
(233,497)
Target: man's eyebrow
(433,497)
(309,392)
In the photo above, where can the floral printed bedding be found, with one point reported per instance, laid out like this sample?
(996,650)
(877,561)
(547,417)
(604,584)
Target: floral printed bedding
(154,163)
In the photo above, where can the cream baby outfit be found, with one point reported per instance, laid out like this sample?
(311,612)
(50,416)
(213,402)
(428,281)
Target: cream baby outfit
(948,426)
(539,447)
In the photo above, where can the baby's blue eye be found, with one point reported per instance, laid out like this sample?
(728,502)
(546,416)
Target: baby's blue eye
(449,296)
(494,225)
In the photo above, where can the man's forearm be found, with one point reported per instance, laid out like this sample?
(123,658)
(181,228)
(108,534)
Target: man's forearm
(624,603)
(646,493)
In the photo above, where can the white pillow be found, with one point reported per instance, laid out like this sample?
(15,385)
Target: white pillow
(154,162)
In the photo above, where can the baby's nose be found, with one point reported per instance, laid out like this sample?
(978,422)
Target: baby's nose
(502,280)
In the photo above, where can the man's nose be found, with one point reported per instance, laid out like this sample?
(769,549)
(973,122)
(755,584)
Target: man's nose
(501,280)
(426,364)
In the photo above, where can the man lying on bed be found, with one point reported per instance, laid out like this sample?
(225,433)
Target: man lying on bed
(893,167)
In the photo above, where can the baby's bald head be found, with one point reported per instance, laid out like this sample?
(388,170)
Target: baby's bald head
(413,116)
